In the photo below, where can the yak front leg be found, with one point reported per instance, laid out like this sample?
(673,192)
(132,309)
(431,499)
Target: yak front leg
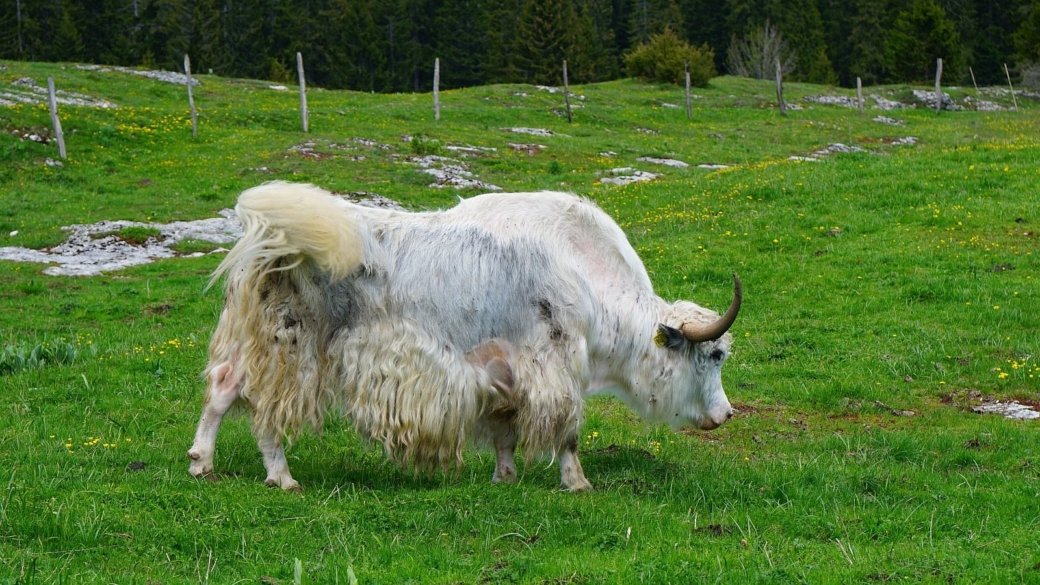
(274,461)
(225,383)
(571,475)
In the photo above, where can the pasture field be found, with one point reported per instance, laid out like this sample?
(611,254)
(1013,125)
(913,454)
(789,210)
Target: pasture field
(886,293)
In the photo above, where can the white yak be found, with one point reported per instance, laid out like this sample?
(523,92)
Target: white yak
(490,321)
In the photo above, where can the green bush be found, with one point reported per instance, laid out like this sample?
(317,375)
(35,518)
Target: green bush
(664,58)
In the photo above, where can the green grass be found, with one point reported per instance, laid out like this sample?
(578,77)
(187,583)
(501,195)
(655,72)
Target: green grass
(136,235)
(903,279)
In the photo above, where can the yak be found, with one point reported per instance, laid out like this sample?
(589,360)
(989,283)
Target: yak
(489,322)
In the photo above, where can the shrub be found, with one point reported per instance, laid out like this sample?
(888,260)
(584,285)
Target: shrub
(755,56)
(664,57)
(1031,75)
(422,145)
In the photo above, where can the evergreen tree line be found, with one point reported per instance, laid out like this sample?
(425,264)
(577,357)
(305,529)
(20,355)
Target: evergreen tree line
(390,45)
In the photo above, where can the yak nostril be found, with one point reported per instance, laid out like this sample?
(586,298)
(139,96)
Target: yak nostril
(729,415)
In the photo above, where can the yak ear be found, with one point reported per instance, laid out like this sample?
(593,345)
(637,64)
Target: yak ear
(669,337)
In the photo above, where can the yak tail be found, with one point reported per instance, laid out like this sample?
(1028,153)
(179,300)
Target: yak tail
(275,315)
(289,222)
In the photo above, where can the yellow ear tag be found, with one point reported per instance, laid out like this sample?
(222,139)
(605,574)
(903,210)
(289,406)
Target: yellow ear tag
(660,338)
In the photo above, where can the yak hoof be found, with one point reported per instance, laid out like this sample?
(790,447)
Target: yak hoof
(289,485)
(581,485)
(505,477)
(199,469)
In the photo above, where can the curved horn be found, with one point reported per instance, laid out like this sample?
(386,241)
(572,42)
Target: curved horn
(697,333)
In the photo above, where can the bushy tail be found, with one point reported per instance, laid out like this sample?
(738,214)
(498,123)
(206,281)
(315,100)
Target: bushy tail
(289,221)
(274,313)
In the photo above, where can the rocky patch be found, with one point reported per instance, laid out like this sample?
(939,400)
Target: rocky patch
(163,76)
(668,162)
(25,90)
(929,99)
(92,249)
(1008,409)
(627,176)
(528,149)
(833,100)
(449,172)
(531,131)
(95,248)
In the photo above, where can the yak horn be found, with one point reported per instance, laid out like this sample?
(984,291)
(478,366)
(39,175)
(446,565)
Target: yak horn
(698,333)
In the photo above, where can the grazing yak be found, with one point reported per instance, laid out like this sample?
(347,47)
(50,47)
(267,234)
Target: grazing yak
(489,322)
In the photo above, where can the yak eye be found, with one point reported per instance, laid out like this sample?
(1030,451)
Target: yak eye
(717,355)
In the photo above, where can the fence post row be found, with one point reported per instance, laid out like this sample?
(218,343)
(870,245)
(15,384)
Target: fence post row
(859,94)
(567,93)
(437,88)
(55,122)
(191,99)
(686,71)
(1013,100)
(303,91)
(780,89)
(938,89)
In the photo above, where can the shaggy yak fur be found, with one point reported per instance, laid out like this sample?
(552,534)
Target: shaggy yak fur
(487,322)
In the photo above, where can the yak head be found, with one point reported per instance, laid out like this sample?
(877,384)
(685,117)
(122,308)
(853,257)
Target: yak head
(685,378)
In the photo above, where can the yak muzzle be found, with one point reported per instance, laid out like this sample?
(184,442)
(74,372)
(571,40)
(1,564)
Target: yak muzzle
(715,420)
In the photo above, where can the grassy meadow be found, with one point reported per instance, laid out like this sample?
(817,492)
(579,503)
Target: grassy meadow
(886,293)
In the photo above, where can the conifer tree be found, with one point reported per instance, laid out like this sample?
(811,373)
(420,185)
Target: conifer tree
(1027,37)
(501,25)
(598,40)
(706,22)
(407,52)
(163,38)
(40,21)
(352,46)
(920,36)
(244,47)
(68,43)
(545,39)
(866,43)
(801,23)
(651,17)
(461,45)
(992,45)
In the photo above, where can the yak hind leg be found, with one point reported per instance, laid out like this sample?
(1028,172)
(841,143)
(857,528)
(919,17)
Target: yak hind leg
(225,383)
(572,477)
(504,437)
(494,356)
(274,461)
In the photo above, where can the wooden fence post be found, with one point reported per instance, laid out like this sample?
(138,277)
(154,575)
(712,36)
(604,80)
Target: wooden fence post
(938,89)
(437,88)
(55,122)
(686,70)
(1013,100)
(567,93)
(191,99)
(859,93)
(303,92)
(780,89)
